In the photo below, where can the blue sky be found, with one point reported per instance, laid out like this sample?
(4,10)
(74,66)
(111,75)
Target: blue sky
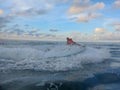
(82,20)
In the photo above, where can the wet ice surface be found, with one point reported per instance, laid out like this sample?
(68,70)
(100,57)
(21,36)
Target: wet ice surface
(33,65)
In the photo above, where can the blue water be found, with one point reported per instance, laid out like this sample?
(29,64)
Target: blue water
(103,75)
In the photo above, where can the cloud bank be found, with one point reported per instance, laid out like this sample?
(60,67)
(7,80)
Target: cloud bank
(84,11)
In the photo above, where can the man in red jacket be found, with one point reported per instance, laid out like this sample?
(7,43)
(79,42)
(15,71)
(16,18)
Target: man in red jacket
(70,41)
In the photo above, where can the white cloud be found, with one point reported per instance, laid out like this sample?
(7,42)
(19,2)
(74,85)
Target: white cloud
(78,36)
(116,25)
(111,36)
(116,4)
(85,17)
(4,21)
(97,6)
(113,23)
(108,36)
(75,34)
(53,30)
(1,12)
(85,6)
(84,11)
(29,7)
(99,31)
(78,6)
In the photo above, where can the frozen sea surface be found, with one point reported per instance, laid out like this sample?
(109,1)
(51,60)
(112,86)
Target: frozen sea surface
(37,65)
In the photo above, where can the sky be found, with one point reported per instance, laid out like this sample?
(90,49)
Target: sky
(54,20)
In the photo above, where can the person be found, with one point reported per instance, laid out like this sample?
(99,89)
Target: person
(70,41)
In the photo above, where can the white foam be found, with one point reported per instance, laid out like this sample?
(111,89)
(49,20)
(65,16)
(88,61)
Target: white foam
(63,50)
(20,53)
(67,57)
(115,65)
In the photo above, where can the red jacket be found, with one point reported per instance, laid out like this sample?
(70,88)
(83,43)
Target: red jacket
(70,41)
